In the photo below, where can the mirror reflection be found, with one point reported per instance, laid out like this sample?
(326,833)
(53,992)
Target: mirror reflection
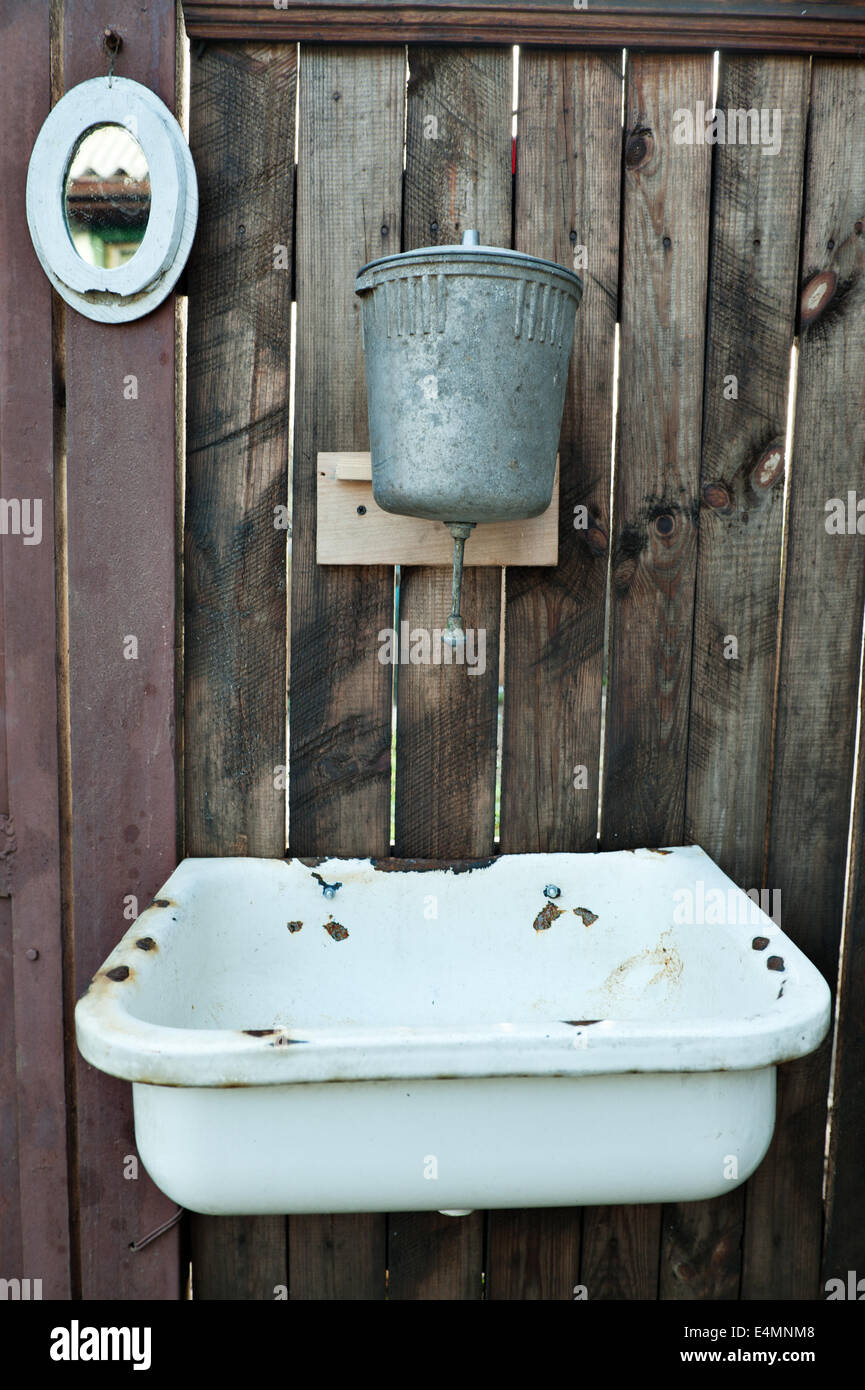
(107,196)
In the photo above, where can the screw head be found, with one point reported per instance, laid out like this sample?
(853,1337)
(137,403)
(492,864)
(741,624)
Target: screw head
(32,953)
(551,891)
(361,511)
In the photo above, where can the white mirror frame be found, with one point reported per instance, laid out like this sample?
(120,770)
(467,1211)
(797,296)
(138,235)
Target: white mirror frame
(130,290)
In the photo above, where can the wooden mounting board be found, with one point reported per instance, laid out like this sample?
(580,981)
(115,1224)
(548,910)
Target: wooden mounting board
(375,537)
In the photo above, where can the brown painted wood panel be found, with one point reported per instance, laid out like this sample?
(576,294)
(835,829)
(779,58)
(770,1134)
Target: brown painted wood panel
(663,305)
(458,175)
(819,665)
(239,343)
(754,260)
(34,1216)
(349,187)
(569,144)
(766,25)
(121,555)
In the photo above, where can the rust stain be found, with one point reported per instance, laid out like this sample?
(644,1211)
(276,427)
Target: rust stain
(760,943)
(163,902)
(426,866)
(666,958)
(586,916)
(661,851)
(294,926)
(335,930)
(120,972)
(547,916)
(146,943)
(259,1032)
(775,963)
(581,1022)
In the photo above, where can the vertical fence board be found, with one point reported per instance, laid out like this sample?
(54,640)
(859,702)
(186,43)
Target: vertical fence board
(121,547)
(751,322)
(34,1216)
(664,255)
(819,664)
(352,114)
(447,719)
(844,1244)
(569,145)
(242,140)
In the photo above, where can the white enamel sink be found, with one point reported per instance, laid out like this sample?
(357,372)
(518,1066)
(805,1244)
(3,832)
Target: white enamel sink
(439,1039)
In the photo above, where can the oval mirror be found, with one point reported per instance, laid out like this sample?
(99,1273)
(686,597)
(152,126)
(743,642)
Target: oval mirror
(112,199)
(106,199)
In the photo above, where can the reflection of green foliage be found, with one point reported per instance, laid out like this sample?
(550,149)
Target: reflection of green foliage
(100,240)
(135,234)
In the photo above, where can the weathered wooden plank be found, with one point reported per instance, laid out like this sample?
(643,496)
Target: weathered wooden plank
(765,25)
(844,1243)
(432,1256)
(458,174)
(338,1258)
(819,664)
(567,209)
(533,1254)
(756,204)
(120,385)
(239,277)
(352,113)
(664,268)
(34,1215)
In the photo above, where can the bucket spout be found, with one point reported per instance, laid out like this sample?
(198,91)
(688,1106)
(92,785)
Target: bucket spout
(455,633)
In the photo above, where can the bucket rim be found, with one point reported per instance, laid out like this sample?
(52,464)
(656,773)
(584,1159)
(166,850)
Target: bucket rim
(487,255)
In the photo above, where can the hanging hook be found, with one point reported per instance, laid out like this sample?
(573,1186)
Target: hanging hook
(112,43)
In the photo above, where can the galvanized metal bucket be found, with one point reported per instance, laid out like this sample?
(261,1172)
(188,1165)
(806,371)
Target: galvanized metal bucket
(467,351)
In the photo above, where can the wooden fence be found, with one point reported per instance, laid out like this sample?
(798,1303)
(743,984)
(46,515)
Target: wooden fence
(716,267)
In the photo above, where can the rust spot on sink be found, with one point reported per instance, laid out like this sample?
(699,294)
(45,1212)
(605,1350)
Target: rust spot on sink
(294,926)
(581,1022)
(335,930)
(162,902)
(146,943)
(546,917)
(427,866)
(259,1032)
(586,916)
(120,972)
(775,963)
(760,943)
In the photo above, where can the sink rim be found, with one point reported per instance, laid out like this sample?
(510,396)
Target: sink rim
(113,1039)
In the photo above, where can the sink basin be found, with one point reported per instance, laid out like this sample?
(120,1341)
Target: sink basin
(447,1038)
